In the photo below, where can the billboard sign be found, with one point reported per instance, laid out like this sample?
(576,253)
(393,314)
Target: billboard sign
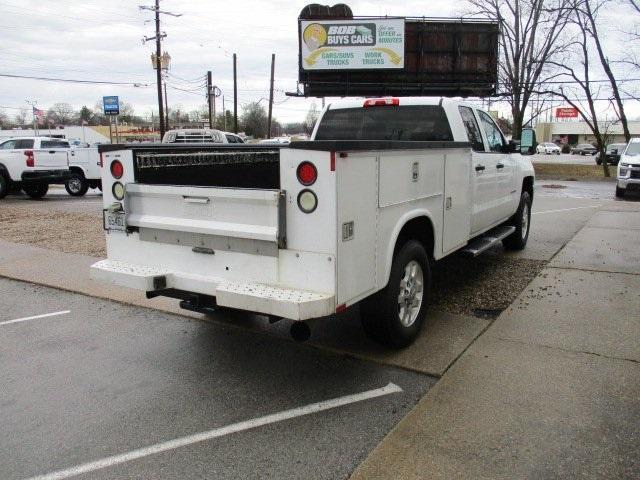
(566,112)
(111,105)
(367,44)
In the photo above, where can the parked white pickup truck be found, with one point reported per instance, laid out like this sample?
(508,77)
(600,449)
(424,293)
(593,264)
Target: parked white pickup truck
(32,164)
(358,214)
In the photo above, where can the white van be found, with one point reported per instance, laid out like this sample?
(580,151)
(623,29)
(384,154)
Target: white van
(629,168)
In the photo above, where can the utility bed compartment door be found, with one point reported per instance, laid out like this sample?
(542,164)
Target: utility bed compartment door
(53,159)
(236,213)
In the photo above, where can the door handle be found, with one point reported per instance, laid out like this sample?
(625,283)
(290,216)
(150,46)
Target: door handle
(52,151)
(500,165)
(479,168)
(200,200)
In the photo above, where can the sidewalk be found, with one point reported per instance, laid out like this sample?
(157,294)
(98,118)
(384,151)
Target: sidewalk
(552,388)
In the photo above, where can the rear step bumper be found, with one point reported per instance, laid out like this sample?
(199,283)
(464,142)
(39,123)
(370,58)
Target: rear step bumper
(253,297)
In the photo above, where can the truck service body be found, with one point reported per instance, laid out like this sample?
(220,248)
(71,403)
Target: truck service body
(385,187)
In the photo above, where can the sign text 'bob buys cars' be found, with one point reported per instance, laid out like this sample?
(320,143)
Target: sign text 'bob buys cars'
(350,44)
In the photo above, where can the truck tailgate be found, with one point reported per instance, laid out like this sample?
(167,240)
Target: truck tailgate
(54,159)
(206,212)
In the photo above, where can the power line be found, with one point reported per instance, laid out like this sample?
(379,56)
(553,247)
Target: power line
(73,80)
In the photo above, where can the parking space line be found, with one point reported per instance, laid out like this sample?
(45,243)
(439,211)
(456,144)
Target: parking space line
(563,210)
(35,317)
(220,432)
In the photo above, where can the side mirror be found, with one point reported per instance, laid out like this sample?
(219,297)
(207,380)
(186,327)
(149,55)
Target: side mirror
(528,142)
(511,147)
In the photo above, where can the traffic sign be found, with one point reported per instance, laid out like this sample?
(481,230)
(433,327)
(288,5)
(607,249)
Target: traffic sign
(111,105)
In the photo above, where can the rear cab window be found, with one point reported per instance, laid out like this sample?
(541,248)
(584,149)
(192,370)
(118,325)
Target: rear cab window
(415,123)
(54,144)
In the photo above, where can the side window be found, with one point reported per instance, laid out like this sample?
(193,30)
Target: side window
(231,138)
(473,131)
(494,135)
(25,143)
(8,145)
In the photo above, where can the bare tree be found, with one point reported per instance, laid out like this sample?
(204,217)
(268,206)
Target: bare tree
(583,93)
(4,119)
(21,117)
(61,114)
(588,10)
(530,36)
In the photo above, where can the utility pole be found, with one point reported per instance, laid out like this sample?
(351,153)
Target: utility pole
(235,96)
(159,70)
(209,92)
(158,38)
(273,63)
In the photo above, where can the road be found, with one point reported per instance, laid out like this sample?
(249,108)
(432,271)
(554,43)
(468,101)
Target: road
(106,379)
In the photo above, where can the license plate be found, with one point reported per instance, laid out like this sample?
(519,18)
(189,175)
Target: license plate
(114,221)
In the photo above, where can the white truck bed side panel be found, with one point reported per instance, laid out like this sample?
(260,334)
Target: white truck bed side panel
(457,201)
(357,180)
(397,169)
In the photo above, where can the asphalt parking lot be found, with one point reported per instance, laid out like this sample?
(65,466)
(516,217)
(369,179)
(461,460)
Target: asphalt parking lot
(99,379)
(97,389)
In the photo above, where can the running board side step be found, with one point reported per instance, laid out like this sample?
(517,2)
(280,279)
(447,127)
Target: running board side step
(488,240)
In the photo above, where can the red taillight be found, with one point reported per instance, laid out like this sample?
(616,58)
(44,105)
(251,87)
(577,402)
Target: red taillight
(307,173)
(29,155)
(381,102)
(117,170)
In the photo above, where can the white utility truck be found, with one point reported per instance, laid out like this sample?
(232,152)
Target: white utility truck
(32,164)
(385,187)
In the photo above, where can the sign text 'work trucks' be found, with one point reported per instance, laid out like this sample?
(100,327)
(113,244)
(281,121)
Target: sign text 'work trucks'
(385,187)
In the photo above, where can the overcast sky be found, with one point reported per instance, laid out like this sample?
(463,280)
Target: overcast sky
(99,40)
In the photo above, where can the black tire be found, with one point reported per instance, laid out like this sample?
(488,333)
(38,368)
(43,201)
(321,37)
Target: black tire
(76,185)
(518,239)
(100,185)
(380,314)
(36,190)
(599,162)
(619,192)
(5,186)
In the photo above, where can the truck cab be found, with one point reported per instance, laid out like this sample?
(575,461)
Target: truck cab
(32,164)
(357,215)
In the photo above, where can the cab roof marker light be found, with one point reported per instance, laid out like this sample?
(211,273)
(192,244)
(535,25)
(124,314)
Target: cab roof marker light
(382,102)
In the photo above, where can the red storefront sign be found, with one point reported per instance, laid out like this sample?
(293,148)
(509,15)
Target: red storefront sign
(566,112)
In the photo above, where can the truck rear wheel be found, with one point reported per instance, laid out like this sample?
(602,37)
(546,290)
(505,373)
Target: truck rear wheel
(4,186)
(36,190)
(76,185)
(522,221)
(394,315)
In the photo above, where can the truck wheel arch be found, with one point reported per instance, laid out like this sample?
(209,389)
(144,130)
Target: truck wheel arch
(413,225)
(527,185)
(77,169)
